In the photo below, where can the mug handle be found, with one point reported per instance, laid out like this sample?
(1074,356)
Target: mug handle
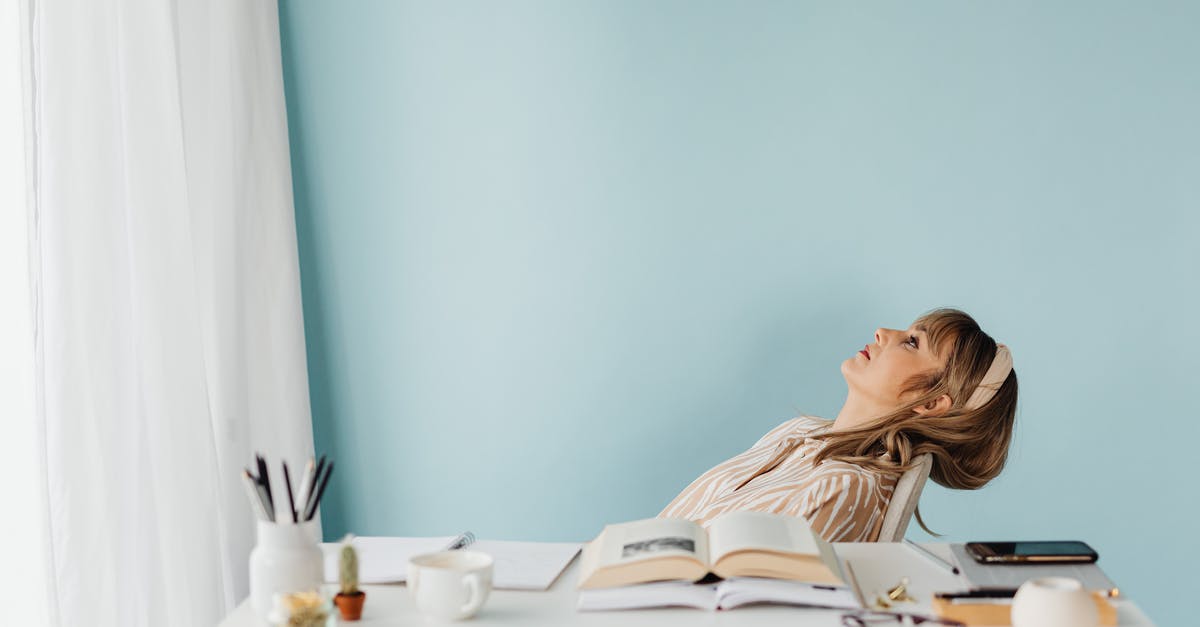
(474,586)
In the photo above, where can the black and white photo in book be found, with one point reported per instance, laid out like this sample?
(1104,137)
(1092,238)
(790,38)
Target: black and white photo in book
(672,543)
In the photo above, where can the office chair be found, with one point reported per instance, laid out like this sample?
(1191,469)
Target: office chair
(904,500)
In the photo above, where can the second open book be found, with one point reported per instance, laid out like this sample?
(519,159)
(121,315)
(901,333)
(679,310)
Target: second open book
(738,544)
(755,552)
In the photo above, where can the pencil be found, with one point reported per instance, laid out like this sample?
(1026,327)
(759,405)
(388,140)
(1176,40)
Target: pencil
(256,504)
(264,479)
(927,554)
(263,498)
(316,502)
(305,480)
(287,480)
(312,487)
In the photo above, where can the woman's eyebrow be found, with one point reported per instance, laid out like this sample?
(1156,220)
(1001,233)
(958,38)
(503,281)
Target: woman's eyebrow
(920,330)
(928,343)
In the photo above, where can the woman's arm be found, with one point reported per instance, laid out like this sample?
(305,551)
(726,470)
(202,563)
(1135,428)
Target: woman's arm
(844,506)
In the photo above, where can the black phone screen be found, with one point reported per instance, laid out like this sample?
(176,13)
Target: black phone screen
(1043,548)
(1040,548)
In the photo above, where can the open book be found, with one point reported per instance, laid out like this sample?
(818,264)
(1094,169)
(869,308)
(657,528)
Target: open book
(738,544)
(724,595)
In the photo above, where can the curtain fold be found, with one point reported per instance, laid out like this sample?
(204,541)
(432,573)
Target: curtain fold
(168,319)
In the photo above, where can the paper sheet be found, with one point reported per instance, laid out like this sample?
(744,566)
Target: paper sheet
(527,565)
(519,565)
(382,559)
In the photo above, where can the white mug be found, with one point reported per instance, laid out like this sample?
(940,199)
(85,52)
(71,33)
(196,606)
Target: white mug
(450,585)
(1053,602)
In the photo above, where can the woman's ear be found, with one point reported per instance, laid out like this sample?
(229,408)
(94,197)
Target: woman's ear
(936,407)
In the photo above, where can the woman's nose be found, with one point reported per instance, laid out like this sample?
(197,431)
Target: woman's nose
(879,335)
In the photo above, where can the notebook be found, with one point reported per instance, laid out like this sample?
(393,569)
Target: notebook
(998,612)
(519,565)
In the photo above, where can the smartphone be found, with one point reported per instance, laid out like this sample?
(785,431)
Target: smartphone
(1064,552)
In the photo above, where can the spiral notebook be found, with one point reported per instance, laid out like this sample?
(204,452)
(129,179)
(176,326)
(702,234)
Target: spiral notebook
(519,565)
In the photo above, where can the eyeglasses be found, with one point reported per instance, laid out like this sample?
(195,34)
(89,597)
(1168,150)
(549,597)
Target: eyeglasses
(871,619)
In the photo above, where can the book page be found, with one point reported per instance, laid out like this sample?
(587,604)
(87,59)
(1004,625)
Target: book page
(647,595)
(652,538)
(740,591)
(760,531)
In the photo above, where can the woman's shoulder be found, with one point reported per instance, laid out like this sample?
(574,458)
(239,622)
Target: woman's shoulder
(808,424)
(801,425)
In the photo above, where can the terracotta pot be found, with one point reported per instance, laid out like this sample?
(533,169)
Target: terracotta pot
(350,605)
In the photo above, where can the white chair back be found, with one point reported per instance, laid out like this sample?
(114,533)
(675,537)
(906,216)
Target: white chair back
(904,500)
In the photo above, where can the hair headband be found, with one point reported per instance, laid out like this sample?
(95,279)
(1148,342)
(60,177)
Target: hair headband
(992,379)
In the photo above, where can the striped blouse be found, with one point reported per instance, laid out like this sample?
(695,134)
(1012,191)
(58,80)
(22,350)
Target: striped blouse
(843,502)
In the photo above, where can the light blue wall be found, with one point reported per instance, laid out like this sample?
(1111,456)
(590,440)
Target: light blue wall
(561,257)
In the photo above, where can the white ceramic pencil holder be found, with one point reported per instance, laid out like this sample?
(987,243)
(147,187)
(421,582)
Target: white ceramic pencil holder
(286,559)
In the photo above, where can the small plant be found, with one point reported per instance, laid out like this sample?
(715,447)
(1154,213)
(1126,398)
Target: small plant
(300,609)
(349,567)
(350,600)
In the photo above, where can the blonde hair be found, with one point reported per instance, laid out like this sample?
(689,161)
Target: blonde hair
(969,447)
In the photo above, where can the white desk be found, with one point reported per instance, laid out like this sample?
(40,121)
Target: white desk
(878,566)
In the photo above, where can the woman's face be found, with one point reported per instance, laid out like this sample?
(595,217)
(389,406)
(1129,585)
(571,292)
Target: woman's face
(879,372)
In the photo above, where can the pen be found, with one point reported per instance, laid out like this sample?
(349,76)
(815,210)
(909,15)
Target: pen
(1002,593)
(931,557)
(979,593)
(463,540)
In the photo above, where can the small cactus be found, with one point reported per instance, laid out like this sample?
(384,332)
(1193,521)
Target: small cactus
(349,567)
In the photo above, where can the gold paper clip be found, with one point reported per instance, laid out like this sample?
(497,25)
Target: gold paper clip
(899,593)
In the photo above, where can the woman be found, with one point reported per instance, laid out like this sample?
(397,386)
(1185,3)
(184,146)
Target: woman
(942,387)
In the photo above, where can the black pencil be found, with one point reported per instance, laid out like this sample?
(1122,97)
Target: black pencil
(312,487)
(320,492)
(317,476)
(316,480)
(264,477)
(287,480)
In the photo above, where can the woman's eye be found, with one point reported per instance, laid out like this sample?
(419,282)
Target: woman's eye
(912,340)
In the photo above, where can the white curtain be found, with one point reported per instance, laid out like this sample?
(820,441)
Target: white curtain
(169,337)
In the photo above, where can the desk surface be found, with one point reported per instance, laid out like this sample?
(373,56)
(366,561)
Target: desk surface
(877,566)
